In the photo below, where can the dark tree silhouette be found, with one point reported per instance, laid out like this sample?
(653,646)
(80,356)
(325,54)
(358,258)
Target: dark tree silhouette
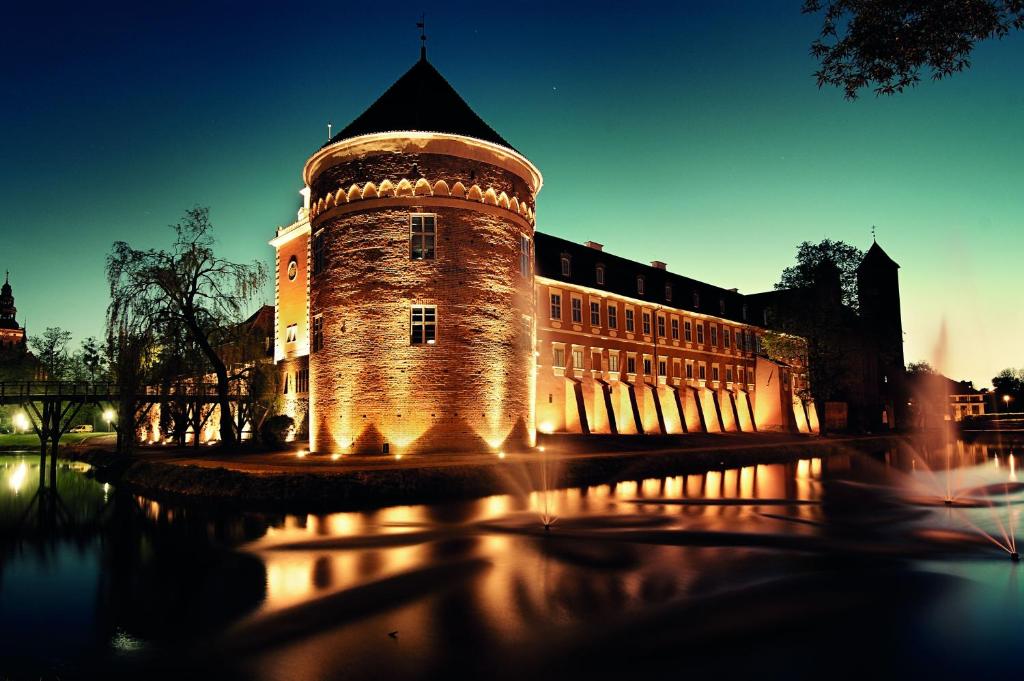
(51,348)
(811,257)
(187,287)
(889,44)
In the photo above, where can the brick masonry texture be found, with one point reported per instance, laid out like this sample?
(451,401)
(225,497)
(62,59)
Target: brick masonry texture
(472,389)
(434,167)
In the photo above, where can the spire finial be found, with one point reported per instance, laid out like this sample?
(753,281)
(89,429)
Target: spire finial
(422,25)
(873,239)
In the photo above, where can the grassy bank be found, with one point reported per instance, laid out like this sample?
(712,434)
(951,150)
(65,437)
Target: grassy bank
(30,441)
(333,490)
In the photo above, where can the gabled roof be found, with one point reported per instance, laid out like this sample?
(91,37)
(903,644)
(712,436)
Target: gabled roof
(421,100)
(877,256)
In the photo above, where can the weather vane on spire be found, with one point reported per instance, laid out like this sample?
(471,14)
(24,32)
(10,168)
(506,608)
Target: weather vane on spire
(422,25)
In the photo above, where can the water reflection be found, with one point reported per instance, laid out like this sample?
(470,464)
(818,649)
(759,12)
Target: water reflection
(479,588)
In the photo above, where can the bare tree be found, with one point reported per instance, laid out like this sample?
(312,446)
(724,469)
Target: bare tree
(886,44)
(187,286)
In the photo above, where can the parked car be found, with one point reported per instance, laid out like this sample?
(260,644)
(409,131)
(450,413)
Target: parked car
(81,429)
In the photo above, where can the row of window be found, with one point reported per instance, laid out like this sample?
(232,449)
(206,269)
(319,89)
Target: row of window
(641,285)
(689,369)
(741,338)
(422,244)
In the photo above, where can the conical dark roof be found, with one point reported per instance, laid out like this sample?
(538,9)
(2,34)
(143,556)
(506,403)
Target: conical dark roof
(877,256)
(421,100)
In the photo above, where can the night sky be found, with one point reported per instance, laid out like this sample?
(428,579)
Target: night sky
(692,133)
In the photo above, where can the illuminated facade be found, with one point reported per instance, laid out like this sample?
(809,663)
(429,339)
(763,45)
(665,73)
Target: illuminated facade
(415,304)
(12,335)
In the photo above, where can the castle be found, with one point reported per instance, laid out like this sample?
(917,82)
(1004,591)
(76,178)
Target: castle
(417,308)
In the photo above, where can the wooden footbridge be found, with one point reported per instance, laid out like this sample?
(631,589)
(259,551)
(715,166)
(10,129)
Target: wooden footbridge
(51,407)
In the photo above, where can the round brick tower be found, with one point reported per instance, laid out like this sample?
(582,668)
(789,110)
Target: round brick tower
(421,293)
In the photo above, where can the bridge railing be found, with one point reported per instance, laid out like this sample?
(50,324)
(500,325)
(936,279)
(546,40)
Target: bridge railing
(102,390)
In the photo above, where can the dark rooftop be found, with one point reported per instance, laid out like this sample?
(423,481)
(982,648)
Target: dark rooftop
(421,100)
(620,278)
(877,256)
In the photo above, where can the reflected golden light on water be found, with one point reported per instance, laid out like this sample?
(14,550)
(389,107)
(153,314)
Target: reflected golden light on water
(713,486)
(16,480)
(1013,468)
(747,477)
(626,489)
(651,487)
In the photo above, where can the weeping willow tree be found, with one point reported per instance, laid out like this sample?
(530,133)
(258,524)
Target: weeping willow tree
(185,289)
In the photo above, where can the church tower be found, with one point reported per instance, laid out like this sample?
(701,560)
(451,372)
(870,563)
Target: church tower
(12,336)
(878,291)
(420,284)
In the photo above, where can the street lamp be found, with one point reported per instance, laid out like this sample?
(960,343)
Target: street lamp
(108,416)
(20,422)
(1006,403)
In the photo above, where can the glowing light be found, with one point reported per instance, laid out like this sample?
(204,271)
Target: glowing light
(21,422)
(501,455)
(301,453)
(108,415)
(335,456)
(398,457)
(540,449)
(17,478)
(546,427)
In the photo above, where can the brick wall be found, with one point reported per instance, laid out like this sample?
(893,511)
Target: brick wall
(471,390)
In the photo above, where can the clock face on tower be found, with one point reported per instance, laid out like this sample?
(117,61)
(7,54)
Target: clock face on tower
(293,268)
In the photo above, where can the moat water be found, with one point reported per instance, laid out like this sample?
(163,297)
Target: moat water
(848,565)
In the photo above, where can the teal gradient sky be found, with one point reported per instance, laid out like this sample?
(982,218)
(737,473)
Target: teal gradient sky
(687,132)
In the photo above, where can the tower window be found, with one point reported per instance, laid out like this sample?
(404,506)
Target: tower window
(613,316)
(595,313)
(566,265)
(291,333)
(599,275)
(319,256)
(423,325)
(556,306)
(524,255)
(577,311)
(318,333)
(423,231)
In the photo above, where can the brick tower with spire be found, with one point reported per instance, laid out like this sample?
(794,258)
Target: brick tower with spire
(12,335)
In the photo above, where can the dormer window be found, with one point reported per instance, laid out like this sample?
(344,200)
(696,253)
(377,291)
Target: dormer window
(668,292)
(744,312)
(696,300)
(721,306)
(566,265)
(599,275)
(640,285)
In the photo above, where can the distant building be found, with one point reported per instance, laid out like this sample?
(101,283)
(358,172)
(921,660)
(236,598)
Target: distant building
(417,309)
(869,340)
(12,334)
